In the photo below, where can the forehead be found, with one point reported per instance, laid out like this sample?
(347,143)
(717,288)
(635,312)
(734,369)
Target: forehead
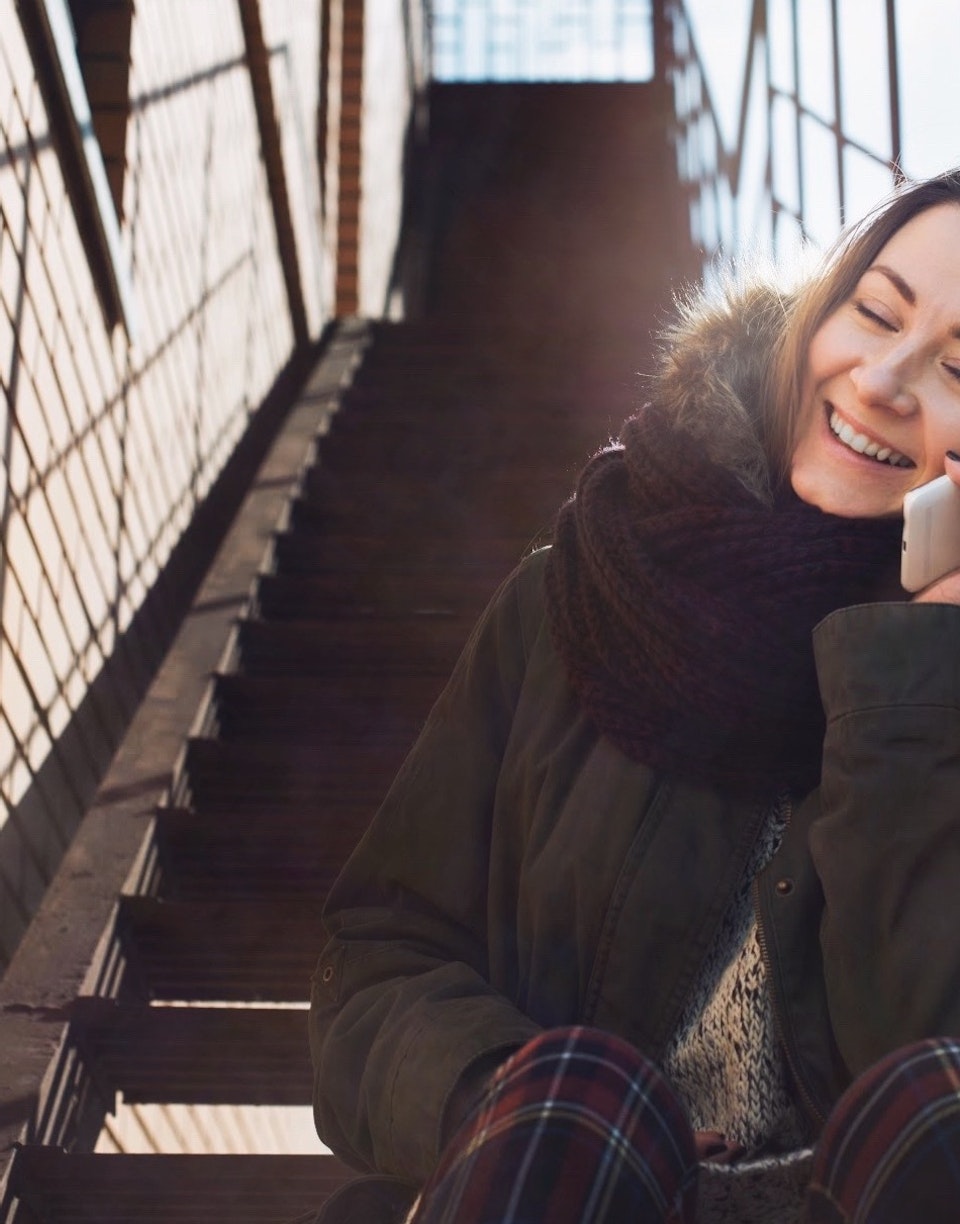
(926,251)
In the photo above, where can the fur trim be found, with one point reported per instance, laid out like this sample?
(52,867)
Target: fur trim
(712,371)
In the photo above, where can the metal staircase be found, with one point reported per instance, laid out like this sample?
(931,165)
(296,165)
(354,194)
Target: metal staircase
(419,463)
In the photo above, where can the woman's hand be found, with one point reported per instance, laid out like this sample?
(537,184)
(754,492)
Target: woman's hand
(717,1148)
(946,589)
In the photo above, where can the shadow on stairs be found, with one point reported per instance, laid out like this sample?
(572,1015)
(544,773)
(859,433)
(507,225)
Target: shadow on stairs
(419,464)
(429,477)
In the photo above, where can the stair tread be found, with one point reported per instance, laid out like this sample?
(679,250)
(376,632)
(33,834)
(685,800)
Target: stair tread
(196,1055)
(404,645)
(223,950)
(75,1188)
(373,595)
(329,709)
(313,778)
(304,550)
(236,856)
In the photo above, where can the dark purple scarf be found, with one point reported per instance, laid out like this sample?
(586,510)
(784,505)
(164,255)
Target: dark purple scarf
(682,608)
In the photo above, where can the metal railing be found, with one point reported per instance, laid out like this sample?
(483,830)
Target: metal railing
(110,449)
(831,103)
(834,106)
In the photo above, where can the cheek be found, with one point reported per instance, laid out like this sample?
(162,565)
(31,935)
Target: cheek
(942,433)
(828,352)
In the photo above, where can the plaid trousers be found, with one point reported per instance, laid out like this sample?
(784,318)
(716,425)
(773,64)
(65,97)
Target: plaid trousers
(579,1128)
(890,1152)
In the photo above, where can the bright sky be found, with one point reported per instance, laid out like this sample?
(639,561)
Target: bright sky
(928,34)
(542,39)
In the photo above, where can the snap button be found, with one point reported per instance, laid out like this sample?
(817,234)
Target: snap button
(327,975)
(785,886)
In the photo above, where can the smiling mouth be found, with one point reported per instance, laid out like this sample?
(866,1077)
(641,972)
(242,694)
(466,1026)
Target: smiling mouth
(863,445)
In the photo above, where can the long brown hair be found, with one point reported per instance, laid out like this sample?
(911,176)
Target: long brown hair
(822,293)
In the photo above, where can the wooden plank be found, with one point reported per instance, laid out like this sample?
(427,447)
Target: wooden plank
(70,1188)
(196,1055)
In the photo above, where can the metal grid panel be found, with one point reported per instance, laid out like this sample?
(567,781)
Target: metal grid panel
(823,94)
(542,40)
(108,449)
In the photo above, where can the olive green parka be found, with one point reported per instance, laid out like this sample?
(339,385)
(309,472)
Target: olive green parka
(523,873)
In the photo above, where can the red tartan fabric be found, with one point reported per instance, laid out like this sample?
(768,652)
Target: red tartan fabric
(576,1128)
(890,1152)
(579,1128)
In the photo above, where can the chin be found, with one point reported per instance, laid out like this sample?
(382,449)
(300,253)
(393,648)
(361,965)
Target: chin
(831,499)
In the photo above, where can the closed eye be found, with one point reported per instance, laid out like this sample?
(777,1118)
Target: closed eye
(863,309)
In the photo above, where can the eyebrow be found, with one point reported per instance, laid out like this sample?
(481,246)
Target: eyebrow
(905,291)
(897,281)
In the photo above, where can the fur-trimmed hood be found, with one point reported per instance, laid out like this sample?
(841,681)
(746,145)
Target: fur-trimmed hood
(713,366)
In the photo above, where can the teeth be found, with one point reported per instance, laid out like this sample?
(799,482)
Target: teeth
(863,445)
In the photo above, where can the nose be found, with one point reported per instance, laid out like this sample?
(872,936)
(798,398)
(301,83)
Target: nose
(886,381)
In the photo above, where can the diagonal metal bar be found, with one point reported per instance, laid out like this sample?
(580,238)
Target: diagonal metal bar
(258,62)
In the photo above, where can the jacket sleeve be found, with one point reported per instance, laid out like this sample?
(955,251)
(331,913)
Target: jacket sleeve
(887,844)
(401,1009)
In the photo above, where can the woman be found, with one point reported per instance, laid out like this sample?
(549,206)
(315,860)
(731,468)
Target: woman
(686,817)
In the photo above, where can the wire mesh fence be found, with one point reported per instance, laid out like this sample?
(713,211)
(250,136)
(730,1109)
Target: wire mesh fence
(109,445)
(830,105)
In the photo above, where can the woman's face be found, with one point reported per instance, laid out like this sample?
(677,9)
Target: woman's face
(881,393)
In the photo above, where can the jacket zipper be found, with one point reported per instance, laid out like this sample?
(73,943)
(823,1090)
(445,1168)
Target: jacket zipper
(806,1095)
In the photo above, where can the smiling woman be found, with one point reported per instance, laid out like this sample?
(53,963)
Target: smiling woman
(659,920)
(881,399)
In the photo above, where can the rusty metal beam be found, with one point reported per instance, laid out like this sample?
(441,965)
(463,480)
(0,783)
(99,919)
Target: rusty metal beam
(258,64)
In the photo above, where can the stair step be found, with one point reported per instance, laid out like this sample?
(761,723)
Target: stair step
(367,496)
(321,709)
(418,645)
(373,594)
(235,856)
(257,951)
(310,779)
(196,1055)
(70,1188)
(513,418)
(304,550)
(454,526)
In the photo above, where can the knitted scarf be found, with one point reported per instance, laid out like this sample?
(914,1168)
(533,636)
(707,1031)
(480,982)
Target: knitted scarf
(682,608)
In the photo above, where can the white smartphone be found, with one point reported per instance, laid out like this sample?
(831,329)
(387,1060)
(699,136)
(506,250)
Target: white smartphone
(931,533)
